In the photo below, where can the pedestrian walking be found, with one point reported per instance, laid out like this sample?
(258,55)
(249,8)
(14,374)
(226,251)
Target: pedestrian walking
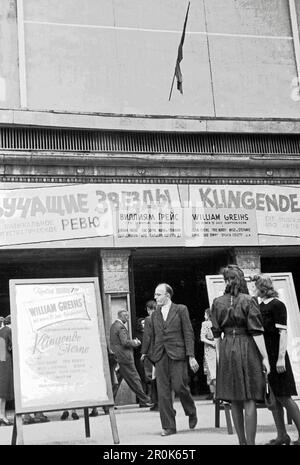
(281,378)
(146,351)
(209,359)
(173,345)
(140,328)
(241,354)
(122,346)
(6,369)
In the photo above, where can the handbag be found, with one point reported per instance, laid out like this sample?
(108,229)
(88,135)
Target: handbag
(269,397)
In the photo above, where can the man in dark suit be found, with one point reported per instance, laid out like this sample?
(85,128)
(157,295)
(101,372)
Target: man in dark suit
(173,346)
(146,351)
(122,346)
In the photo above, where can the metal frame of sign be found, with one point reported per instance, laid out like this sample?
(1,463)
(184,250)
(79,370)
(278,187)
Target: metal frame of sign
(17,436)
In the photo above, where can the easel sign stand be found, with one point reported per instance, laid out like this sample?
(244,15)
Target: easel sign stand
(59,349)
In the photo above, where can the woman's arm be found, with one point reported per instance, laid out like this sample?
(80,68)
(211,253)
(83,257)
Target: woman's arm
(280,321)
(280,365)
(208,341)
(260,342)
(217,342)
(203,335)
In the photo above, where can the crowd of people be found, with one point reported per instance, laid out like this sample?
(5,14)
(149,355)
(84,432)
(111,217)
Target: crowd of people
(245,343)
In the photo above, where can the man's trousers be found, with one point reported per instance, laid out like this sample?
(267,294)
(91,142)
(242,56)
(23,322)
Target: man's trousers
(172,375)
(129,373)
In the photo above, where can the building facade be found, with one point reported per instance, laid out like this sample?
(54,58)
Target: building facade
(103,175)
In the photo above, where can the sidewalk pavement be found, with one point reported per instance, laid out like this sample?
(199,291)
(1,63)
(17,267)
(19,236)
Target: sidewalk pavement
(141,426)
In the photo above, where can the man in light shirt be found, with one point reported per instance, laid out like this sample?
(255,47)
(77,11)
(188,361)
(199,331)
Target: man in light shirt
(173,348)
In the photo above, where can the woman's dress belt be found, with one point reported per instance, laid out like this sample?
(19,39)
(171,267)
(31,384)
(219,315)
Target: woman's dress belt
(236,331)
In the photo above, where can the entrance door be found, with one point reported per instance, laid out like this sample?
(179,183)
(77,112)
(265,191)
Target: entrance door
(184,271)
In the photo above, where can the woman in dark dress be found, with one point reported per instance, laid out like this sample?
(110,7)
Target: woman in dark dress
(6,371)
(241,354)
(281,377)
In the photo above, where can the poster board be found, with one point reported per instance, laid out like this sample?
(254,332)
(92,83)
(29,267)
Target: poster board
(284,285)
(59,345)
(149,215)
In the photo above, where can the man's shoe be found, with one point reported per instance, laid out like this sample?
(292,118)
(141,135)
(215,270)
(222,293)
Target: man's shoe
(94,412)
(28,420)
(154,408)
(5,422)
(286,440)
(41,418)
(193,420)
(75,416)
(168,432)
(65,415)
(146,405)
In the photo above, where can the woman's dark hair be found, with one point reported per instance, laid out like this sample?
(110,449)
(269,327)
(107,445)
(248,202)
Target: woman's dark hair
(265,285)
(241,285)
(151,304)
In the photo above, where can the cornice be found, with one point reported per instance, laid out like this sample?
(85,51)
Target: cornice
(153,180)
(151,160)
(148,122)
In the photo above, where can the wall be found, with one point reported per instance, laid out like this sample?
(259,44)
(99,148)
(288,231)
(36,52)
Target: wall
(9,74)
(118,56)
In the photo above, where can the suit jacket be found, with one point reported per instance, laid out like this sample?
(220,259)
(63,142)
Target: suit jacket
(175,335)
(146,343)
(121,344)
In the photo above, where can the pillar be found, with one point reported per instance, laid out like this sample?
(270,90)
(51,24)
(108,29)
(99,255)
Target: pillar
(115,289)
(115,282)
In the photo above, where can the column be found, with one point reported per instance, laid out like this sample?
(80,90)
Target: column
(115,289)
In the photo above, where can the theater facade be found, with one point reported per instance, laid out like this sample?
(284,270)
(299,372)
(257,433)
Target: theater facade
(101,175)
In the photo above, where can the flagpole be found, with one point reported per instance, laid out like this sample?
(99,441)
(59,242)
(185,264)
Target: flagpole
(172,86)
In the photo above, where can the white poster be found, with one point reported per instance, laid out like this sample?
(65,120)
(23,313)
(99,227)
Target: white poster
(52,213)
(59,353)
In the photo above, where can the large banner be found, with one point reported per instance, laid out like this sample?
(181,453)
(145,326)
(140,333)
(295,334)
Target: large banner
(50,214)
(276,208)
(59,345)
(152,214)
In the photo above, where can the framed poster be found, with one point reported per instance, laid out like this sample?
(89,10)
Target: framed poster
(59,345)
(284,285)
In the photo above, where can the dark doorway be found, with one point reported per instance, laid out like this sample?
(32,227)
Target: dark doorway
(34,264)
(184,270)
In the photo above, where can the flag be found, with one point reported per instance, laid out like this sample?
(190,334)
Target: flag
(178,72)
